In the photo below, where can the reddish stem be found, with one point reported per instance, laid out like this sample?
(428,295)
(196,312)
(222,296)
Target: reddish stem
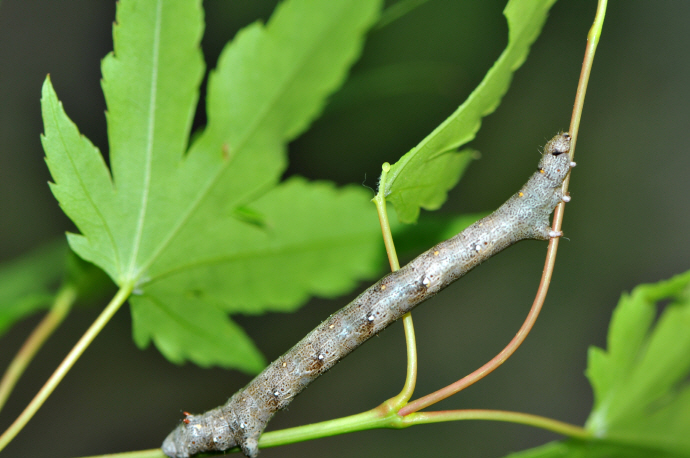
(499,359)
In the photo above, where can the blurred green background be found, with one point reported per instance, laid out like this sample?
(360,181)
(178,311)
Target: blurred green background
(628,221)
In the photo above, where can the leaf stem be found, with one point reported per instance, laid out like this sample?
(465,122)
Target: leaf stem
(384,417)
(150,453)
(64,367)
(380,202)
(371,419)
(592,41)
(58,311)
(411,375)
(410,341)
(590,49)
(549,424)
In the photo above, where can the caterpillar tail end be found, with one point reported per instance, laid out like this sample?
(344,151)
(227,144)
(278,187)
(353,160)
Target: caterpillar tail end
(199,433)
(168,446)
(170,443)
(180,444)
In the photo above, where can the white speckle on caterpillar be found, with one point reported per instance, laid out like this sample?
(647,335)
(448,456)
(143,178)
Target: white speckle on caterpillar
(524,216)
(345,331)
(573,164)
(566,198)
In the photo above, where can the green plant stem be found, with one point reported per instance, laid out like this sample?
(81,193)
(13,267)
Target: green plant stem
(150,453)
(64,367)
(411,375)
(410,341)
(371,419)
(58,311)
(380,202)
(537,421)
(590,50)
(383,417)
(592,42)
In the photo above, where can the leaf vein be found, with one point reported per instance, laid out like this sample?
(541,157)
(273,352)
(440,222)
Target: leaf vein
(149,141)
(294,248)
(86,192)
(262,113)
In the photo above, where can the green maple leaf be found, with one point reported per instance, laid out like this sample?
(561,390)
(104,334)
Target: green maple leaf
(592,449)
(423,176)
(314,239)
(32,282)
(166,219)
(27,283)
(640,383)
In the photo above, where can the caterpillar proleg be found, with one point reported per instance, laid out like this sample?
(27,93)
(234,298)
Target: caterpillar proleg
(243,418)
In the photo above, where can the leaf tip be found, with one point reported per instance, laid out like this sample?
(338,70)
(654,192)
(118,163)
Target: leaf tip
(47,87)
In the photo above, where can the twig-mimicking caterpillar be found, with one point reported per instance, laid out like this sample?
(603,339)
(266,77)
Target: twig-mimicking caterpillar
(243,418)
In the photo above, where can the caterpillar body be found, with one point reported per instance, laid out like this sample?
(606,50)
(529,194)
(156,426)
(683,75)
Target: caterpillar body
(243,418)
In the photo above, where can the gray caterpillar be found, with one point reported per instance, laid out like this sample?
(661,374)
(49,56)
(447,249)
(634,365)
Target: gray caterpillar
(243,418)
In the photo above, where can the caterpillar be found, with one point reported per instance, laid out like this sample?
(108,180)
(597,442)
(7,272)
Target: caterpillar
(243,418)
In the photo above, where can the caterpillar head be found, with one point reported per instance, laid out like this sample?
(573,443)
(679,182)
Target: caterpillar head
(555,162)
